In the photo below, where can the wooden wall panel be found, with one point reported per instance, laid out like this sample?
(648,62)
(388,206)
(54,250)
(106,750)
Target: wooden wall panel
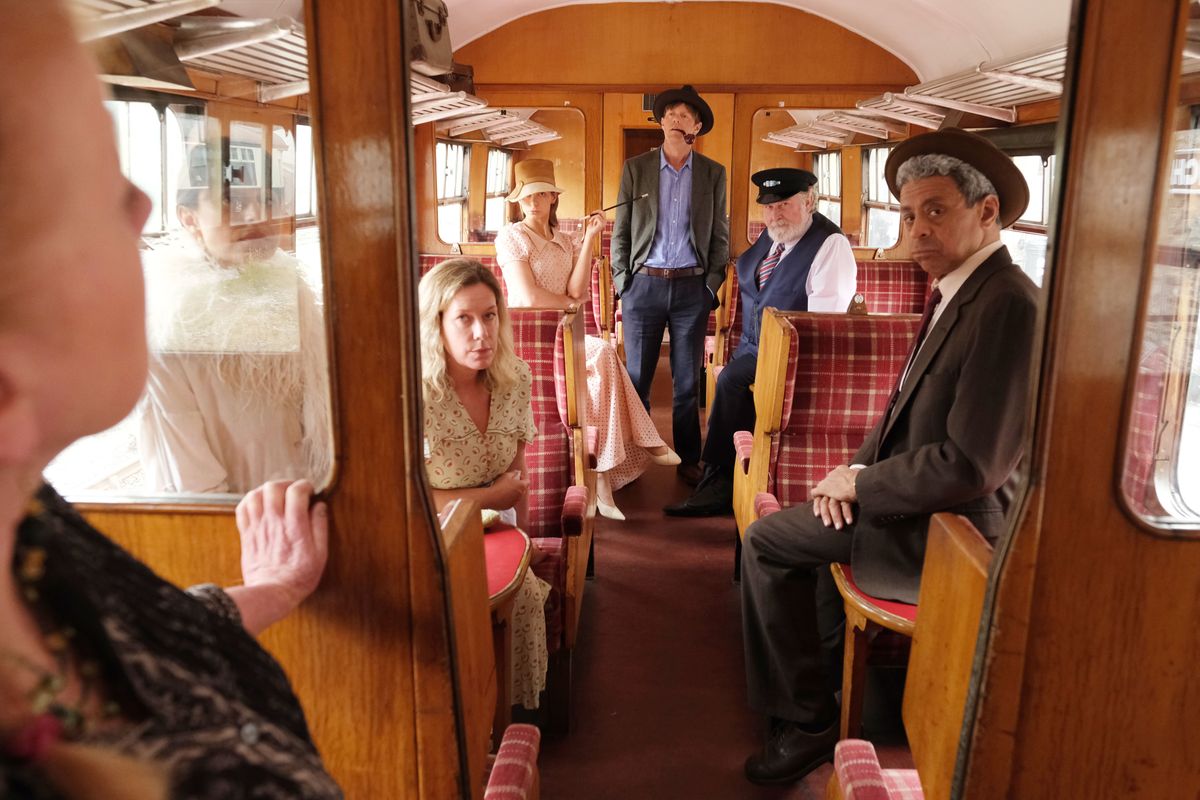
(568,156)
(646,46)
(1089,687)
(852,193)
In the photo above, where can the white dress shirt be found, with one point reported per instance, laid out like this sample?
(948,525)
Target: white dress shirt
(833,278)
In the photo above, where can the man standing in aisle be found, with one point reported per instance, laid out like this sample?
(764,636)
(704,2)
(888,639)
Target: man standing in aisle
(670,247)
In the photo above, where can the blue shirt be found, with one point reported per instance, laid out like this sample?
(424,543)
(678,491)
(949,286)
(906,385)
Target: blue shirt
(672,245)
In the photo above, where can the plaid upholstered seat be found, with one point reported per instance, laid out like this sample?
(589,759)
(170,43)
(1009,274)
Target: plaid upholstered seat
(512,773)
(835,373)
(893,287)
(859,776)
(561,505)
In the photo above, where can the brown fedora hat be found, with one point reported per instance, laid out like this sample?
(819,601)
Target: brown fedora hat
(974,150)
(684,94)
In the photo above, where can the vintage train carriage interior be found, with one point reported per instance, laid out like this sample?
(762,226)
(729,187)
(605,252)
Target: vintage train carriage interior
(364,141)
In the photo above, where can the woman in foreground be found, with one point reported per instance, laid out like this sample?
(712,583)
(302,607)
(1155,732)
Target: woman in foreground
(113,683)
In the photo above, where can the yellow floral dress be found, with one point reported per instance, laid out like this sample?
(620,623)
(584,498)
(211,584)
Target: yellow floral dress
(458,455)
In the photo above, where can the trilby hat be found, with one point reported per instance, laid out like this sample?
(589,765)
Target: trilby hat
(533,175)
(684,94)
(974,150)
(781,183)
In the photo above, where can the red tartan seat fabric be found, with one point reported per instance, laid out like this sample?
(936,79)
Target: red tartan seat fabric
(893,287)
(1141,447)
(512,774)
(841,369)
(859,776)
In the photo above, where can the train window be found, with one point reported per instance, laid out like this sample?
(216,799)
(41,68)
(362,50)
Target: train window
(828,169)
(306,173)
(1026,239)
(883,210)
(499,181)
(238,389)
(1160,475)
(283,173)
(453,174)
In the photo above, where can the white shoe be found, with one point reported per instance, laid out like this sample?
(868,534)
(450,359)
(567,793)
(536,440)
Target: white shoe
(667,459)
(609,512)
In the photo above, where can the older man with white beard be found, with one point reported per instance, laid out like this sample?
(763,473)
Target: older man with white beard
(801,262)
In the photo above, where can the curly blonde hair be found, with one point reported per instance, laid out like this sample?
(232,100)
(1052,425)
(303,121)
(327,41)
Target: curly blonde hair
(437,290)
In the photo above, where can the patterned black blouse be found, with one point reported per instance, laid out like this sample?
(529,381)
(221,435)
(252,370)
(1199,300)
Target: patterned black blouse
(203,698)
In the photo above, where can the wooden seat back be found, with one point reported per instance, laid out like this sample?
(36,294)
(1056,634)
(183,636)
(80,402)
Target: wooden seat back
(950,606)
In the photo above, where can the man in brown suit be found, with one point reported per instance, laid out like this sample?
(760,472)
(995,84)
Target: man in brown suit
(951,437)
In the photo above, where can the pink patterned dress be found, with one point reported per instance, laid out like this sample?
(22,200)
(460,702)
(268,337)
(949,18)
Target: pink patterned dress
(614,408)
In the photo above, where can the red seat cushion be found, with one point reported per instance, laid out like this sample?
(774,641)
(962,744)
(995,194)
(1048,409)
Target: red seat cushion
(908,612)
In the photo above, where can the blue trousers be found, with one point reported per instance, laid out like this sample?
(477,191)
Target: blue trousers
(649,306)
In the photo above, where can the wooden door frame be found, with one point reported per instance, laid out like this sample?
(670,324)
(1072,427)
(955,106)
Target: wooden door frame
(1082,688)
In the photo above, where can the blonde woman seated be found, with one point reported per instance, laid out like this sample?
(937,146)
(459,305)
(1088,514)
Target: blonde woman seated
(478,419)
(543,268)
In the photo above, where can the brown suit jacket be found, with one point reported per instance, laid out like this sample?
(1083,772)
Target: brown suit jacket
(957,431)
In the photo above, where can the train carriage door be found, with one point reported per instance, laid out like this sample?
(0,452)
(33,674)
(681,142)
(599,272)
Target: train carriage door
(1086,686)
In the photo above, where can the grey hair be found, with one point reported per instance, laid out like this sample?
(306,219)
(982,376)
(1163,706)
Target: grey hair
(973,184)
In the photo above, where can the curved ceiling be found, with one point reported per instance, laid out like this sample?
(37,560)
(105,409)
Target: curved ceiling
(934,37)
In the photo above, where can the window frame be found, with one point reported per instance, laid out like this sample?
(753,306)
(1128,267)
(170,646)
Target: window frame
(460,200)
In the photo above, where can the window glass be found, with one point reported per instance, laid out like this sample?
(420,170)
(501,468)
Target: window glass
(453,164)
(499,172)
(306,173)
(1028,251)
(830,209)
(237,392)
(1161,470)
(1036,173)
(139,142)
(876,180)
(883,227)
(283,173)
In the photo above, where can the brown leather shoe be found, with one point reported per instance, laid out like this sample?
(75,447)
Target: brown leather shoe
(689,473)
(791,753)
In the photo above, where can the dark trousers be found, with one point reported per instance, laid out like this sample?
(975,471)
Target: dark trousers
(792,615)
(730,409)
(649,306)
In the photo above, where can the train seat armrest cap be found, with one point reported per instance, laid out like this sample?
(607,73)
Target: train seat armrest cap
(575,507)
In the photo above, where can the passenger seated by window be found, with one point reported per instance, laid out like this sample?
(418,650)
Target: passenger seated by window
(238,387)
(478,419)
(543,268)
(113,683)
(801,262)
(951,436)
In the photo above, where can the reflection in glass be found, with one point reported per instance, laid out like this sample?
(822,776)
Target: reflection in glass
(1028,251)
(237,392)
(1161,473)
(883,227)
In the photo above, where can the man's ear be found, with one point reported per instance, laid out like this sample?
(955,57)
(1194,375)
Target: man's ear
(19,433)
(989,211)
(187,218)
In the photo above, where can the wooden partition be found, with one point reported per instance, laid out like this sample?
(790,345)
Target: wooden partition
(371,652)
(1088,685)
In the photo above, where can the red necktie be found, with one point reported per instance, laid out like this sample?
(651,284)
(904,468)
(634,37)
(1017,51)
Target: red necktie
(931,305)
(768,266)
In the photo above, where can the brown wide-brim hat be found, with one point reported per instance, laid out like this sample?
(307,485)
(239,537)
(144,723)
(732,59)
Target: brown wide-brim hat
(684,94)
(974,150)
(531,176)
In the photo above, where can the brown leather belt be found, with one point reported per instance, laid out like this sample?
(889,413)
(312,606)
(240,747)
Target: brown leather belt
(671,274)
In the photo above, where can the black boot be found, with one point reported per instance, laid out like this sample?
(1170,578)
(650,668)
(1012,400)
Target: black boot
(713,496)
(791,752)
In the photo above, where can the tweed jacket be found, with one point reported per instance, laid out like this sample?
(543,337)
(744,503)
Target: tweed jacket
(957,431)
(635,224)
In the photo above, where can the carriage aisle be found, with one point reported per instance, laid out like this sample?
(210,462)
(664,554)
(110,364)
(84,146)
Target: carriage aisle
(659,707)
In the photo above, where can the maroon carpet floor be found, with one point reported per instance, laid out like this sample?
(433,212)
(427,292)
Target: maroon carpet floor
(659,707)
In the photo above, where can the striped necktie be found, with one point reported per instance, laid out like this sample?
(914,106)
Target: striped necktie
(768,266)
